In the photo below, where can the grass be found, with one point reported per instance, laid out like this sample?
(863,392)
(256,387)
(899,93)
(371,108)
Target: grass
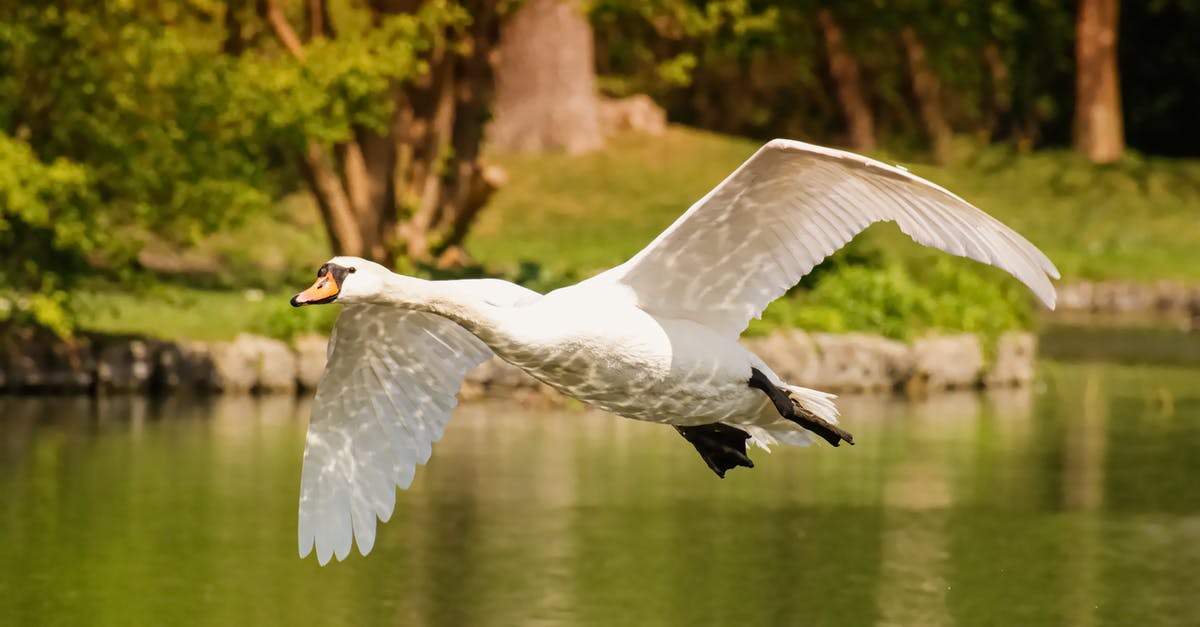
(1139,220)
(562,218)
(181,312)
(587,213)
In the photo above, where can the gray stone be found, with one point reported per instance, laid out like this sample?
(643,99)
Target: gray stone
(1125,297)
(792,354)
(311,354)
(183,366)
(1076,296)
(276,364)
(859,362)
(234,366)
(942,362)
(637,114)
(252,362)
(1171,297)
(1122,297)
(125,365)
(48,364)
(1014,360)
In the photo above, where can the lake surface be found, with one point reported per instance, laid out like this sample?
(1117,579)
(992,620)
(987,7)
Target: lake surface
(1074,503)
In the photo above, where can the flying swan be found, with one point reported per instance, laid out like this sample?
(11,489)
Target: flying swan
(653,339)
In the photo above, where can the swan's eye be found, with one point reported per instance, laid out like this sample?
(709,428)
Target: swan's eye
(353,269)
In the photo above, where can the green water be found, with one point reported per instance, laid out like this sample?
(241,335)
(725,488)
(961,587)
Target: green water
(1076,503)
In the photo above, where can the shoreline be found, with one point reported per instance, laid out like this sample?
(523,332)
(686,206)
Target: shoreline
(854,362)
(99,364)
(1165,299)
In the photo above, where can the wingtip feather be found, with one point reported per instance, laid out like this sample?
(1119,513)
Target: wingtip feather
(1050,299)
(306,547)
(324,552)
(365,541)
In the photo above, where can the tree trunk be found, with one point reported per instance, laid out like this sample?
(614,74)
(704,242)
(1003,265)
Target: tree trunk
(234,43)
(546,81)
(928,91)
(319,22)
(416,188)
(998,103)
(843,69)
(439,131)
(340,223)
(1098,132)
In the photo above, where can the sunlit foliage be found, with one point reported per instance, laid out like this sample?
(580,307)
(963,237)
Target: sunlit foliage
(123,119)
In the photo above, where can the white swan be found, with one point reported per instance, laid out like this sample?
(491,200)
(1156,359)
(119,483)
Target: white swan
(653,339)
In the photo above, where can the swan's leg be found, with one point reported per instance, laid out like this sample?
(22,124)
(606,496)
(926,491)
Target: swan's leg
(795,412)
(722,447)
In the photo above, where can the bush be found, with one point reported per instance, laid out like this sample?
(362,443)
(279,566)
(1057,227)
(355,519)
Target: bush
(46,230)
(892,300)
(282,321)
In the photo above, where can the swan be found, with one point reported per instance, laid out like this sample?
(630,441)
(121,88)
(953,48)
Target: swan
(652,339)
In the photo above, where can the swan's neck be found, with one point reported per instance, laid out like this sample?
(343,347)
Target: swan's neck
(448,299)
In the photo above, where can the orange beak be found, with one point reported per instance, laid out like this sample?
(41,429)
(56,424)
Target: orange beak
(323,291)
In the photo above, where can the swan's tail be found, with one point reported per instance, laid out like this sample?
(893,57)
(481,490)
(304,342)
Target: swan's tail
(782,430)
(809,412)
(818,403)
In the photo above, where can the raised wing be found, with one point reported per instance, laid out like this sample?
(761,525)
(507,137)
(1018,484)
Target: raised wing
(385,397)
(786,209)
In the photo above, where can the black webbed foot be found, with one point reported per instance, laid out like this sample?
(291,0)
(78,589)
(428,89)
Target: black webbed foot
(722,447)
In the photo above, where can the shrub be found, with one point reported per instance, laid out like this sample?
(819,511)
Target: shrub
(892,300)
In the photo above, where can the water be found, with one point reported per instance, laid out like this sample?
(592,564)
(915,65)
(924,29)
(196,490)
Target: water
(1073,504)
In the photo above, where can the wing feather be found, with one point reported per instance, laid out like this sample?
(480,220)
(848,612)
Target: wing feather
(786,209)
(385,397)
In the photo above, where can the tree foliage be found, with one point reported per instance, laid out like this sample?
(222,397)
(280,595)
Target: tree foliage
(108,128)
(1005,67)
(125,119)
(46,225)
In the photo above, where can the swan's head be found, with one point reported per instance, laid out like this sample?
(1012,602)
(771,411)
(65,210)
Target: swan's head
(344,280)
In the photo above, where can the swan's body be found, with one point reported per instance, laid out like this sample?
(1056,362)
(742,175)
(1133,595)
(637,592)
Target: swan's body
(629,362)
(653,339)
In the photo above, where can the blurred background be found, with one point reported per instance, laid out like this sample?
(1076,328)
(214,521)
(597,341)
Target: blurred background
(175,170)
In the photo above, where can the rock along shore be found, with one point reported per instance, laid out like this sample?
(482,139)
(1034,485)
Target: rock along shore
(1168,298)
(252,364)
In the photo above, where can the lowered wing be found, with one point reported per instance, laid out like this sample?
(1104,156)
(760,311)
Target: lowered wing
(386,395)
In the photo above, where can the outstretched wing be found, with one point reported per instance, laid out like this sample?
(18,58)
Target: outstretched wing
(785,210)
(385,397)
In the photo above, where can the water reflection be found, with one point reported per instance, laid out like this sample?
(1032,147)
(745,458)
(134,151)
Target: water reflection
(1068,505)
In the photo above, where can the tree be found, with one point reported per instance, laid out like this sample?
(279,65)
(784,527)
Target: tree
(110,128)
(546,81)
(843,69)
(413,182)
(173,118)
(42,209)
(1097,132)
(927,89)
